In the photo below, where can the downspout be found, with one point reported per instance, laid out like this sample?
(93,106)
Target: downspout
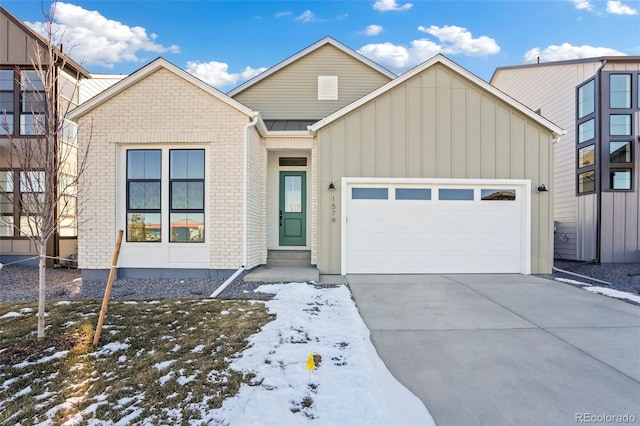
(245,203)
(599,162)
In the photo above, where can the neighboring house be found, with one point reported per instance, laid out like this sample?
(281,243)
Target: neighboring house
(19,83)
(326,153)
(597,166)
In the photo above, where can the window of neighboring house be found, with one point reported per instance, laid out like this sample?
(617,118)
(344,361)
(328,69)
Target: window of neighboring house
(620,124)
(144,168)
(186,195)
(586,156)
(620,152)
(585,135)
(6,203)
(620,165)
(586,131)
(587,182)
(620,179)
(68,206)
(32,103)
(6,102)
(620,91)
(586,99)
(32,198)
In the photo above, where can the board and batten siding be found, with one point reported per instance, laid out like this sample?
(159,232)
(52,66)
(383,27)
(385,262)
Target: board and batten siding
(16,47)
(292,92)
(620,210)
(575,237)
(435,125)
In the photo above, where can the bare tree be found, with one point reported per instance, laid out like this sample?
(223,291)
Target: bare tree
(47,162)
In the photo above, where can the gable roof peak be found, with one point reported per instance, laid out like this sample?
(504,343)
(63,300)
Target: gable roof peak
(147,70)
(42,41)
(306,51)
(454,67)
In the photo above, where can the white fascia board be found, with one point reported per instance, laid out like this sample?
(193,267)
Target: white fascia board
(441,59)
(288,133)
(147,70)
(304,52)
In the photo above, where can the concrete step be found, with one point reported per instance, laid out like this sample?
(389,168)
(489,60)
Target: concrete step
(283,275)
(288,258)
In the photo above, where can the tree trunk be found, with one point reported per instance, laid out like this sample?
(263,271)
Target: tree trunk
(42,252)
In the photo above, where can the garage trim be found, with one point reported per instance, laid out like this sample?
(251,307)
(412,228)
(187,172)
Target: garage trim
(522,185)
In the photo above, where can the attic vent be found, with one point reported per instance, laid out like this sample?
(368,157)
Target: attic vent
(327,87)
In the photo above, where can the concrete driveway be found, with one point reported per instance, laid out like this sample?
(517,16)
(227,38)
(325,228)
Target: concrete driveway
(505,349)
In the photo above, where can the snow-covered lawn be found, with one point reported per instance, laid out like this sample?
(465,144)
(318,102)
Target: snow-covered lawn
(278,385)
(350,385)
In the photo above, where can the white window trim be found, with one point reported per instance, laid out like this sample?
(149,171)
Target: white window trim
(163,254)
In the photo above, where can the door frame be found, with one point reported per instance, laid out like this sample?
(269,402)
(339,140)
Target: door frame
(302,215)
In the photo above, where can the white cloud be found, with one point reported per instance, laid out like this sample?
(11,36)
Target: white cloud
(92,39)
(390,5)
(583,4)
(458,40)
(372,30)
(217,73)
(284,13)
(617,8)
(389,54)
(307,16)
(566,52)
(452,40)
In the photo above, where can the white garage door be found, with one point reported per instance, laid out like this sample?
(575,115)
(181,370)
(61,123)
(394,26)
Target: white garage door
(443,226)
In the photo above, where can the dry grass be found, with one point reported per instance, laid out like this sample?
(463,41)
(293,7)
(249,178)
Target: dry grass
(164,361)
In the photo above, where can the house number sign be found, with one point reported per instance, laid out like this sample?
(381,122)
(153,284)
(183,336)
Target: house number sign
(333,209)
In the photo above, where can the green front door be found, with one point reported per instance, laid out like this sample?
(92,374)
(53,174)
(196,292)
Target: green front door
(293,203)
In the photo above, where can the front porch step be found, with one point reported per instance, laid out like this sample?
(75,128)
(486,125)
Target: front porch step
(289,258)
(283,275)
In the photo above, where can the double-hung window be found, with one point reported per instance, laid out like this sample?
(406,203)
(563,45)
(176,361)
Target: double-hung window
(22,198)
(6,203)
(144,177)
(6,102)
(32,199)
(186,195)
(32,103)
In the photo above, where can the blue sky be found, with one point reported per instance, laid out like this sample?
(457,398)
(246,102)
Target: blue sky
(227,42)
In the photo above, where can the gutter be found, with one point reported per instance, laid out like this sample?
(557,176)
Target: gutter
(245,203)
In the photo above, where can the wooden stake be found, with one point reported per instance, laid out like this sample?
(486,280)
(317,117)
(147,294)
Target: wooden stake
(107,291)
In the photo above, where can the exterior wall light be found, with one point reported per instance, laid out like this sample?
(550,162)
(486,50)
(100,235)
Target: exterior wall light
(332,187)
(542,188)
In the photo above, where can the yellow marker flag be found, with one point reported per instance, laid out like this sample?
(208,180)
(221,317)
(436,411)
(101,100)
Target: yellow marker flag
(310,363)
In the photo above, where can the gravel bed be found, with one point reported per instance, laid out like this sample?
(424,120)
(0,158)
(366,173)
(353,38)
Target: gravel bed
(622,276)
(20,283)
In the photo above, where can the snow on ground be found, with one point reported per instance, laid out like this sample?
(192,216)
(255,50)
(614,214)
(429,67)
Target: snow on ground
(617,294)
(350,384)
(614,293)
